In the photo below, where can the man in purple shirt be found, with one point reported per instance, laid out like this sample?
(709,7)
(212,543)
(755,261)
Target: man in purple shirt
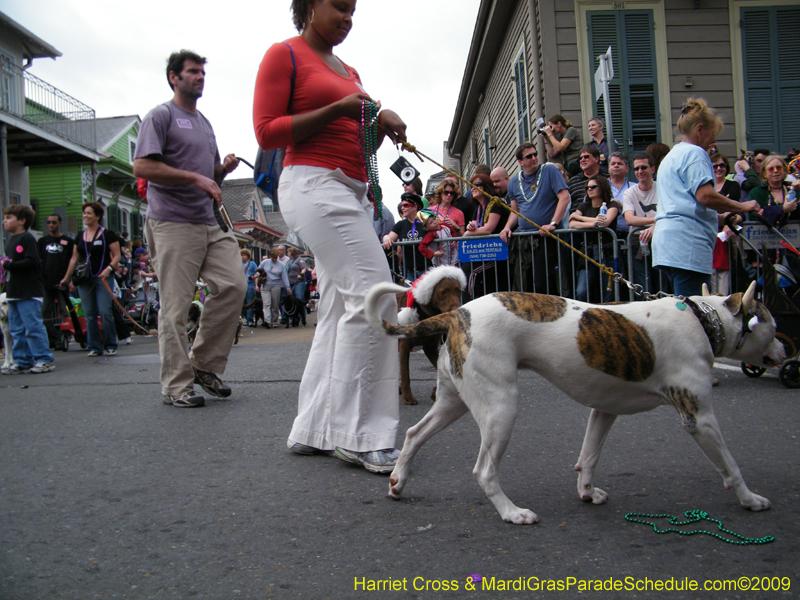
(177,154)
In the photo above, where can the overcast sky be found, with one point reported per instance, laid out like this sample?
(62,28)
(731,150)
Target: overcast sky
(410,55)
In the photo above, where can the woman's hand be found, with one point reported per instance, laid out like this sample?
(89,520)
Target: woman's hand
(789,207)
(387,242)
(351,106)
(471,226)
(392,125)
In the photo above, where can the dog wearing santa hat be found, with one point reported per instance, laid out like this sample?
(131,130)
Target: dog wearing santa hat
(437,291)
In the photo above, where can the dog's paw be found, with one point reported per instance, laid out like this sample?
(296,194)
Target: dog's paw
(756,503)
(395,490)
(410,400)
(521,516)
(595,496)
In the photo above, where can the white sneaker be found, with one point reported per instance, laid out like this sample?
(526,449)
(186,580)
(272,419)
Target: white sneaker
(126,341)
(43,367)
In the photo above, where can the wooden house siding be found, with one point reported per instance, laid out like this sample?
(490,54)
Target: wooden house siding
(498,106)
(699,47)
(50,187)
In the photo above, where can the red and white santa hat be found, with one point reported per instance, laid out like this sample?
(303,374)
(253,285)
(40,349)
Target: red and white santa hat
(421,291)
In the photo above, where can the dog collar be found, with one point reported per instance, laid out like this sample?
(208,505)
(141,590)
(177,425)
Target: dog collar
(712,325)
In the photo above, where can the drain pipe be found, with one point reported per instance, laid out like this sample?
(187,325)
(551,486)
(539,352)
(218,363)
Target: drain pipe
(6,183)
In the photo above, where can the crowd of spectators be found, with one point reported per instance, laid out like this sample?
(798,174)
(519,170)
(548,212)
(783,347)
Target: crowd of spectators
(567,193)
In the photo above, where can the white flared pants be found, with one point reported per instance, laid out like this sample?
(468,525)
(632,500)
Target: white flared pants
(348,394)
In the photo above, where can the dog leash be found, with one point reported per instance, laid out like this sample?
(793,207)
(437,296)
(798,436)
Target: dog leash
(695,516)
(125,312)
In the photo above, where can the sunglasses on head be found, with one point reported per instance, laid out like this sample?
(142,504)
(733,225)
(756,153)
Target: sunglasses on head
(592,187)
(477,184)
(530,156)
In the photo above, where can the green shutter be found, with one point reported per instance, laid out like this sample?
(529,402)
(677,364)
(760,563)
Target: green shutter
(113,218)
(633,91)
(770,39)
(136,226)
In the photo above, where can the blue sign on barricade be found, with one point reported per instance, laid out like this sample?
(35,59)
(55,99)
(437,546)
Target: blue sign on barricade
(482,250)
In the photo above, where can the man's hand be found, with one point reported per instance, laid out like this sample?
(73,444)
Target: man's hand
(505,235)
(544,229)
(209,186)
(230,163)
(645,235)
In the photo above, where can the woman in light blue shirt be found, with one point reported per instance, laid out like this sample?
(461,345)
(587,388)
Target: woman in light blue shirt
(687,219)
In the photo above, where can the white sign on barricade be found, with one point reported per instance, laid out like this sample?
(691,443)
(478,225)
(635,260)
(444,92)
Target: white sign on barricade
(759,234)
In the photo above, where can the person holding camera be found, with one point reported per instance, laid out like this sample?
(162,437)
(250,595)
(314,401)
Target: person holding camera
(311,102)
(563,143)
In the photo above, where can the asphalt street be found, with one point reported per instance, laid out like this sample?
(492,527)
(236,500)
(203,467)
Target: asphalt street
(107,493)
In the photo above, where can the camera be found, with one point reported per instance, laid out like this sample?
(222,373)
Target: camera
(404,170)
(540,125)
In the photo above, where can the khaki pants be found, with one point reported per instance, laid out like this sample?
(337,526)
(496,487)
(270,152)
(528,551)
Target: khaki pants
(181,253)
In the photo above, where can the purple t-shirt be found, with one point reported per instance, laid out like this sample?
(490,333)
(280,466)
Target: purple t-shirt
(185,141)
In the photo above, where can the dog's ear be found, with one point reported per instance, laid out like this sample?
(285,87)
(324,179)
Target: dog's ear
(705,290)
(741,302)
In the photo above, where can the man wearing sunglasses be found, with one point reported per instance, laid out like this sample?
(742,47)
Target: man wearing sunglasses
(55,250)
(540,194)
(639,204)
(409,229)
(590,167)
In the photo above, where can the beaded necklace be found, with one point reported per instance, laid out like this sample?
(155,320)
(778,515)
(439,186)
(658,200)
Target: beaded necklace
(368,133)
(533,186)
(88,256)
(695,516)
(772,198)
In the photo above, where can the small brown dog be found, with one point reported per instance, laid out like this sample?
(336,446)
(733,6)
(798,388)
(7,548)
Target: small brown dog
(437,291)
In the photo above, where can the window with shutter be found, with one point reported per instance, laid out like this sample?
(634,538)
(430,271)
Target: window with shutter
(113,218)
(633,91)
(770,38)
(521,98)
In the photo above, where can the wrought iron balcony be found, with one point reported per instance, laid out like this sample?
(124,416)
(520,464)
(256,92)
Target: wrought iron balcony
(32,99)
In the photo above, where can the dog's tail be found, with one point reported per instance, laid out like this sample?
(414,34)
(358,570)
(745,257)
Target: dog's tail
(438,324)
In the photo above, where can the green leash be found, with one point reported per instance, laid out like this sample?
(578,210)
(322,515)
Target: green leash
(695,516)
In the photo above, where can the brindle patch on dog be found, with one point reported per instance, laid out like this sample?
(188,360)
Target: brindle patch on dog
(537,308)
(459,340)
(686,404)
(615,345)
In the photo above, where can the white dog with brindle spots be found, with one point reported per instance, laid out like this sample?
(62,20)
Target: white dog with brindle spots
(8,361)
(616,359)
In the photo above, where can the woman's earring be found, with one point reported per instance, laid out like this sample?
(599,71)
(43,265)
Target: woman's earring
(312,17)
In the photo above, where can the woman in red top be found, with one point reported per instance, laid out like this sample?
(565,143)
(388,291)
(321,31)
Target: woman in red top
(310,102)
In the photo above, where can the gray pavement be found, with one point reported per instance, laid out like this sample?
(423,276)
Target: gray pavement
(107,493)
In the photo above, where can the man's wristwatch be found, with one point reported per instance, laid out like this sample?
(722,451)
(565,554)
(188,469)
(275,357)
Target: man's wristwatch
(554,224)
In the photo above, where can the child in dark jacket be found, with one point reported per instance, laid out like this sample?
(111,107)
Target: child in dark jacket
(24,293)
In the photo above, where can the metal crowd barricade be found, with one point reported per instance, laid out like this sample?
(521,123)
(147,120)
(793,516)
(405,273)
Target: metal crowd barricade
(486,276)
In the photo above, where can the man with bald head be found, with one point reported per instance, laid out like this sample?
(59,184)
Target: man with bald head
(499,177)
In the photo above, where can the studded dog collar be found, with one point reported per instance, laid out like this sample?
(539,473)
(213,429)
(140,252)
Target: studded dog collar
(712,325)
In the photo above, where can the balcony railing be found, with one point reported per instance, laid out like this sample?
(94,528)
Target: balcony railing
(24,95)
